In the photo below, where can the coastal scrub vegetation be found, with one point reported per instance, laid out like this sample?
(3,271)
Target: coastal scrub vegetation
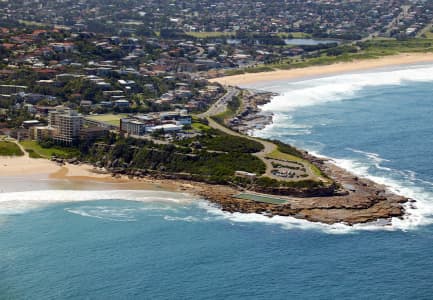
(215,140)
(117,153)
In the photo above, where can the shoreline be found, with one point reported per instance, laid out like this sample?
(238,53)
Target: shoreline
(325,70)
(362,201)
(367,202)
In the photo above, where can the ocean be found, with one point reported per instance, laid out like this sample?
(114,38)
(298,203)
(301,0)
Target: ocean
(57,242)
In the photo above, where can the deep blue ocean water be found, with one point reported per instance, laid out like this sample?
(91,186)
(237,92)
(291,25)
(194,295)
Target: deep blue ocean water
(378,126)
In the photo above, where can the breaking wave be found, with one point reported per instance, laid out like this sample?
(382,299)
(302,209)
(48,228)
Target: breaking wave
(370,165)
(123,214)
(341,87)
(400,182)
(291,223)
(21,202)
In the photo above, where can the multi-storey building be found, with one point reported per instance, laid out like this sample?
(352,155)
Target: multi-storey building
(7,89)
(67,123)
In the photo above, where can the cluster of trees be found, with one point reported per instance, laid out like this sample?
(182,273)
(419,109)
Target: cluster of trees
(336,51)
(15,117)
(259,38)
(117,152)
(218,141)
(4,53)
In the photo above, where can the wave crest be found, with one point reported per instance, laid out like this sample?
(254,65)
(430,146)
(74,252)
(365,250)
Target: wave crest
(21,202)
(341,87)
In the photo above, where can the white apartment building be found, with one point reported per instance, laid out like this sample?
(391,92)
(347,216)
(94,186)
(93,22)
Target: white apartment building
(67,124)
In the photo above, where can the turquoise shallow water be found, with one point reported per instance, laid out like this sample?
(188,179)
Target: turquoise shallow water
(69,245)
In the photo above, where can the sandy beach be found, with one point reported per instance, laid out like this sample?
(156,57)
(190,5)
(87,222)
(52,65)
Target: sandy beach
(369,203)
(315,71)
(23,165)
(81,176)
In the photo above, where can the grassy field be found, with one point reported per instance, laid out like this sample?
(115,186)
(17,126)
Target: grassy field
(295,35)
(283,156)
(32,23)
(111,119)
(36,151)
(429,35)
(10,149)
(200,126)
(211,34)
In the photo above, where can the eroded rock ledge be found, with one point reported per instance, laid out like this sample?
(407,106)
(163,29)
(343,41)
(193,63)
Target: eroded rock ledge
(364,201)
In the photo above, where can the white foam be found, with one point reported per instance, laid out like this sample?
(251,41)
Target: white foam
(189,219)
(341,87)
(417,214)
(20,202)
(105,213)
(337,88)
(290,223)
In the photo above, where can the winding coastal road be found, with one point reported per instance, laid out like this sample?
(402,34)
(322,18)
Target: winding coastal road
(219,107)
(268,147)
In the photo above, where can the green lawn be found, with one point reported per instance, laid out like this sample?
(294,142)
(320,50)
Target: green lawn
(429,35)
(10,149)
(36,151)
(200,126)
(210,34)
(276,154)
(283,156)
(295,35)
(111,119)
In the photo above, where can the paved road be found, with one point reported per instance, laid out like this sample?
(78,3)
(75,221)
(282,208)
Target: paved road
(220,105)
(268,147)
